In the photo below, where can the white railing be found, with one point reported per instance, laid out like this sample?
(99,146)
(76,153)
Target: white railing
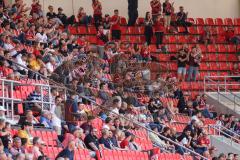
(221,87)
(223,131)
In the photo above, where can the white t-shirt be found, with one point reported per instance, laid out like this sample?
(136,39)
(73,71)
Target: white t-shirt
(21,62)
(50,67)
(10,47)
(42,38)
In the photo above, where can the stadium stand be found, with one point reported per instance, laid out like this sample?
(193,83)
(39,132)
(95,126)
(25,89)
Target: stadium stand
(68,90)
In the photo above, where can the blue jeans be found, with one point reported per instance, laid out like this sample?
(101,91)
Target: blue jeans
(192,73)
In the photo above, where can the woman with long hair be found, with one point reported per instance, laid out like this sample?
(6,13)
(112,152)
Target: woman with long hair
(148,30)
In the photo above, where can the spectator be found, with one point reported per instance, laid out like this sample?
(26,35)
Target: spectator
(156,8)
(24,132)
(102,39)
(28,118)
(133,145)
(68,152)
(182,61)
(51,15)
(107,25)
(105,139)
(82,17)
(36,10)
(91,140)
(22,60)
(125,143)
(182,19)
(64,19)
(16,148)
(235,72)
(46,119)
(230,36)
(148,31)
(207,37)
(35,99)
(155,139)
(167,12)
(116,32)
(37,148)
(9,47)
(77,135)
(159,31)
(132,12)
(185,140)
(97,13)
(195,58)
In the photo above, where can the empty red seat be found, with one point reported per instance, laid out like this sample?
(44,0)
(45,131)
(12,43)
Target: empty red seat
(219,21)
(222,48)
(204,67)
(182,39)
(141,30)
(133,30)
(192,30)
(211,48)
(213,66)
(191,20)
(200,30)
(181,29)
(92,39)
(173,66)
(172,48)
(228,21)
(82,30)
(223,66)
(232,57)
(203,47)
(140,21)
(172,39)
(220,30)
(199,21)
(123,21)
(222,57)
(231,48)
(209,21)
(212,57)
(92,30)
(123,30)
(72,30)
(237,30)
(220,39)
(237,21)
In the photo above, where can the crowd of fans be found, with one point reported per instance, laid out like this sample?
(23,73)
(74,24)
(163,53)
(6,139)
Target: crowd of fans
(85,69)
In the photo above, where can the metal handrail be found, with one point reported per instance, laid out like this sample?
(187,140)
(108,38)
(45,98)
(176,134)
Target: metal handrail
(108,109)
(224,133)
(229,130)
(220,86)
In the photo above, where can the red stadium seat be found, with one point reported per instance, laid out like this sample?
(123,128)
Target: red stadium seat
(219,21)
(72,30)
(123,30)
(123,21)
(220,30)
(172,39)
(140,21)
(182,39)
(192,30)
(191,20)
(204,67)
(213,66)
(228,21)
(231,48)
(132,30)
(200,30)
(141,30)
(209,21)
(232,57)
(223,66)
(203,48)
(92,30)
(237,30)
(212,57)
(222,48)
(181,29)
(222,57)
(199,21)
(172,48)
(237,21)
(82,30)
(212,48)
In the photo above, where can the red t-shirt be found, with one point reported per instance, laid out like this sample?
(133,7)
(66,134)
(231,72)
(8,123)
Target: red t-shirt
(229,35)
(124,143)
(97,8)
(99,40)
(203,140)
(117,25)
(145,52)
(156,7)
(159,26)
(36,52)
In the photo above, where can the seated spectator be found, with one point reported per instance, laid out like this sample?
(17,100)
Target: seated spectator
(125,143)
(197,117)
(16,148)
(36,9)
(185,140)
(46,119)
(207,37)
(22,60)
(197,146)
(108,124)
(235,71)
(133,146)
(115,21)
(51,65)
(77,135)
(230,36)
(64,19)
(182,19)
(37,148)
(106,25)
(9,47)
(105,139)
(155,139)
(102,93)
(82,18)
(34,100)
(28,118)
(91,140)
(68,152)
(24,132)
(51,15)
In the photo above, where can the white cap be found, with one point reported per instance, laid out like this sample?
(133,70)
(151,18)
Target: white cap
(2,108)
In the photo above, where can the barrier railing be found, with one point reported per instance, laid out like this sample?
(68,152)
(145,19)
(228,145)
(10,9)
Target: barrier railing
(222,87)
(223,131)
